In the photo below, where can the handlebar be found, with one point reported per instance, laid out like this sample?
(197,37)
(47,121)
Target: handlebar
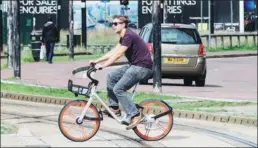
(90,69)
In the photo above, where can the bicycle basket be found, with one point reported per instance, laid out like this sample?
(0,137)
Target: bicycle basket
(78,89)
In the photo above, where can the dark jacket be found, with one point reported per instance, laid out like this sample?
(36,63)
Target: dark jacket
(49,32)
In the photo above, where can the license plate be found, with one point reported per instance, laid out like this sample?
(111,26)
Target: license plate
(176,60)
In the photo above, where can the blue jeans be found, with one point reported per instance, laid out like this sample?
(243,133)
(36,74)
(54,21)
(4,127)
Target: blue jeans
(50,50)
(122,79)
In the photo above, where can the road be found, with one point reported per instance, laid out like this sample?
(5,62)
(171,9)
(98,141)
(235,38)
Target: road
(40,121)
(227,78)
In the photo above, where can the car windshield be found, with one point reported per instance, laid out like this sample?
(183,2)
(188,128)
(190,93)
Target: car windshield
(179,36)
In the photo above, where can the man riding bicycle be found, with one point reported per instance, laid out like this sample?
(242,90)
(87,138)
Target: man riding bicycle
(122,79)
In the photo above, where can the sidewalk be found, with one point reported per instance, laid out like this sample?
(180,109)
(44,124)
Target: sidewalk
(6,73)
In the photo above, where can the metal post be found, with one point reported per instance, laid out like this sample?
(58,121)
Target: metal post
(10,40)
(105,13)
(201,14)
(1,28)
(209,10)
(125,10)
(231,13)
(161,10)
(33,18)
(58,14)
(84,26)
(165,14)
(241,17)
(256,17)
(71,30)
(156,13)
(17,55)
(212,16)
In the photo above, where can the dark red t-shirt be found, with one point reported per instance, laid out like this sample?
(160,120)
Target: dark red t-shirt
(137,52)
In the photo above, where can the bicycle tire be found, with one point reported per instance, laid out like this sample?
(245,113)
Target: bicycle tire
(77,104)
(154,111)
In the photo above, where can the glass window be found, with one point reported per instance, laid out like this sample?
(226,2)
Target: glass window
(179,36)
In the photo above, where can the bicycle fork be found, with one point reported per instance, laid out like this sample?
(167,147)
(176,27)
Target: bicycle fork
(80,119)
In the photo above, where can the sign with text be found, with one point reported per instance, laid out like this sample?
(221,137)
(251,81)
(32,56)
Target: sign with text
(173,6)
(190,11)
(38,6)
(178,11)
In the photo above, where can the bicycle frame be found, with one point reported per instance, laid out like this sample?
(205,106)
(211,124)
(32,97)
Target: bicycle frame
(94,94)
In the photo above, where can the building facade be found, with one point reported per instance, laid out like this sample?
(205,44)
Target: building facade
(228,14)
(232,15)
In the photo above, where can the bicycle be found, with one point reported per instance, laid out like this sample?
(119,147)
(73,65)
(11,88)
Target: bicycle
(155,113)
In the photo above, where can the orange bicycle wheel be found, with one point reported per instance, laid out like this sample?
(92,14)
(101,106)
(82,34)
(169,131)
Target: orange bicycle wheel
(154,129)
(71,128)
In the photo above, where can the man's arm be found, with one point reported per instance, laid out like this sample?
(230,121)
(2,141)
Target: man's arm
(120,50)
(107,55)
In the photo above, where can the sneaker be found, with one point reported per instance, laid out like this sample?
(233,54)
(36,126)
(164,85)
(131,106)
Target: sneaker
(116,111)
(135,120)
(126,120)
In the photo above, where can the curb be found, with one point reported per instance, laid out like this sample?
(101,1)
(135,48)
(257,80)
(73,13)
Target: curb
(231,55)
(177,113)
(207,56)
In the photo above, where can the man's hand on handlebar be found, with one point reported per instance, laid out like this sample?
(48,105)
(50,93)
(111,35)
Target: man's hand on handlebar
(98,66)
(92,62)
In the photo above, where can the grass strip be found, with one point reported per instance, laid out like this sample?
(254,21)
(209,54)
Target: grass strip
(140,96)
(7,128)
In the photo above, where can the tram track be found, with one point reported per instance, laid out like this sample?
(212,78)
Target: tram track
(236,140)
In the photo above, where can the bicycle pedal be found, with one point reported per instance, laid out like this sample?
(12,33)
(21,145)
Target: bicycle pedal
(110,116)
(100,115)
(124,123)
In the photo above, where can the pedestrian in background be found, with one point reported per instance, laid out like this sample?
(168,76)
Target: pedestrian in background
(49,37)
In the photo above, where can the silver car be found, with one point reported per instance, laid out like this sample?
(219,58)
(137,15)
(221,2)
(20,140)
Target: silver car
(183,54)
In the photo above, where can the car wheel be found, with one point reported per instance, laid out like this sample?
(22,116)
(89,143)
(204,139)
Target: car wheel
(188,82)
(200,81)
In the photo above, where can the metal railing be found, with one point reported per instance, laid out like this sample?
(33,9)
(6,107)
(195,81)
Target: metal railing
(217,41)
(232,39)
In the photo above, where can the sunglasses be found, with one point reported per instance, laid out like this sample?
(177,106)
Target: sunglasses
(116,23)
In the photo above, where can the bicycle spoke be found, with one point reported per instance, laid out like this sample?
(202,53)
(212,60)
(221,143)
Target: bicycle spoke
(71,115)
(161,127)
(147,133)
(83,132)
(73,125)
(148,129)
